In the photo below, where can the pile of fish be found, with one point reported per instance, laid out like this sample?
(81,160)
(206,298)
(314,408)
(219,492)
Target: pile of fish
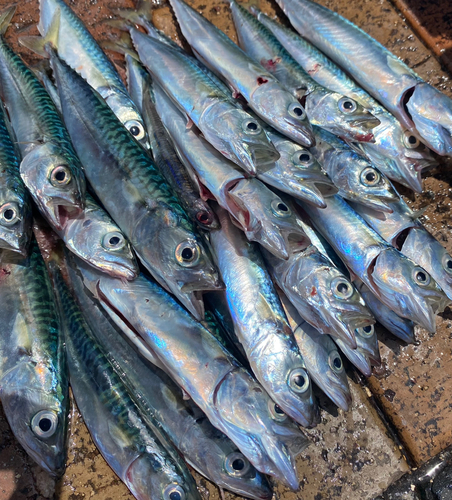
(231,229)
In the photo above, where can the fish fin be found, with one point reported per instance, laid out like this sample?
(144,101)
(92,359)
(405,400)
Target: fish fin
(38,44)
(5,18)
(189,124)
(140,16)
(120,24)
(123,46)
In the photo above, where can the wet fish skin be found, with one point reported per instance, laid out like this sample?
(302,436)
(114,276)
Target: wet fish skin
(261,324)
(396,152)
(426,111)
(33,378)
(138,451)
(322,295)
(324,108)
(228,128)
(354,176)
(15,205)
(135,194)
(322,359)
(398,282)
(232,400)
(264,94)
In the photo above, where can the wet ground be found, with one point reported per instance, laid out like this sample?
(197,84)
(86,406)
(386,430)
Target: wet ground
(401,417)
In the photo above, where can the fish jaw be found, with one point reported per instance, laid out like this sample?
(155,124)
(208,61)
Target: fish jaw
(431,112)
(357,357)
(16,237)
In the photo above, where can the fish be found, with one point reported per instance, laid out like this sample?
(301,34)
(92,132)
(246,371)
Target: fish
(33,374)
(262,91)
(354,176)
(321,294)
(134,193)
(231,399)
(334,112)
(403,229)
(49,165)
(140,453)
(358,357)
(43,72)
(322,359)
(204,447)
(419,106)
(15,203)
(264,216)
(59,26)
(397,281)
(228,128)
(396,151)
(261,324)
(402,328)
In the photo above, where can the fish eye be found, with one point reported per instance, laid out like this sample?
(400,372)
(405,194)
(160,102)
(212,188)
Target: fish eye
(347,105)
(302,158)
(276,412)
(174,492)
(236,464)
(411,141)
(342,288)
(366,331)
(421,277)
(136,129)
(251,127)
(370,177)
(280,209)
(296,110)
(60,176)
(9,214)
(299,380)
(447,263)
(188,253)
(113,241)
(44,424)
(335,362)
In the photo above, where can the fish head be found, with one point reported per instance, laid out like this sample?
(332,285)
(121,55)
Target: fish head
(268,219)
(279,108)
(100,242)
(243,140)
(367,342)
(147,478)
(359,181)
(15,223)
(55,181)
(37,418)
(340,115)
(357,357)
(431,112)
(336,384)
(407,288)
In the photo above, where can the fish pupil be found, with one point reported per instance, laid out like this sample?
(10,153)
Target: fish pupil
(60,176)
(238,464)
(412,139)
(298,111)
(342,288)
(299,380)
(371,176)
(203,217)
(421,277)
(278,410)
(175,495)
(304,157)
(8,214)
(449,264)
(187,254)
(114,240)
(134,130)
(348,105)
(45,424)
(367,329)
(337,362)
(252,126)
(282,207)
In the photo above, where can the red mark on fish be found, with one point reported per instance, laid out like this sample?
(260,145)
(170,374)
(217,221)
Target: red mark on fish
(270,64)
(313,291)
(261,80)
(314,69)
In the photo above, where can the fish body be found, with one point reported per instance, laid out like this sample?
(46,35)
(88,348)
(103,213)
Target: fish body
(395,151)
(419,106)
(228,128)
(339,115)
(261,324)
(232,400)
(263,92)
(398,282)
(134,193)
(33,378)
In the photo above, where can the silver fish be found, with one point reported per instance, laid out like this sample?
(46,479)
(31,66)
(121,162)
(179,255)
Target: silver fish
(232,400)
(361,357)
(261,324)
(229,129)
(334,112)
(398,282)
(396,152)
(322,359)
(263,92)
(77,47)
(322,295)
(420,107)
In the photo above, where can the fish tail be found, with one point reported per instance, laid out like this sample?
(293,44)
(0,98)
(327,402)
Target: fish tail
(123,46)
(39,44)
(141,16)
(5,18)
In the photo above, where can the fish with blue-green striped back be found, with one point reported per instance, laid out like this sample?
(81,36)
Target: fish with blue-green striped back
(33,378)
(134,192)
(50,167)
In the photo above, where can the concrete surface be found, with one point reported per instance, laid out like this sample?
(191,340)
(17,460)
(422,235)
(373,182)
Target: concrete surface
(352,455)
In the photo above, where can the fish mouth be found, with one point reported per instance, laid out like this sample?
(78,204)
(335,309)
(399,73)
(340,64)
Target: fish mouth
(16,245)
(379,203)
(300,133)
(315,192)
(58,212)
(192,299)
(412,180)
(339,395)
(253,158)
(281,243)
(264,156)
